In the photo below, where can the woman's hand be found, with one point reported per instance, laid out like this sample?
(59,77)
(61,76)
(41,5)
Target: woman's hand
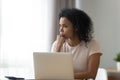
(60,40)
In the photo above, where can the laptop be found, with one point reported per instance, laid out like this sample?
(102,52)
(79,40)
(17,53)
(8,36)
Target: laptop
(53,65)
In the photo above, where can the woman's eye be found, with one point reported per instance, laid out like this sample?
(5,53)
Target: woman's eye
(65,26)
(60,25)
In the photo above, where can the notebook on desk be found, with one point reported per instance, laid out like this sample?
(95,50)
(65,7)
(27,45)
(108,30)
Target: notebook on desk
(53,65)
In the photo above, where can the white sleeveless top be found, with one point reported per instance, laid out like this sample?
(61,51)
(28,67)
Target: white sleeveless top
(81,52)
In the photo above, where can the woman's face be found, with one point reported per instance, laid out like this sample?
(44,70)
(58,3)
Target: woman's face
(66,28)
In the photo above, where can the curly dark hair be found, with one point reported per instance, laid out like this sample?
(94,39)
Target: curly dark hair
(81,21)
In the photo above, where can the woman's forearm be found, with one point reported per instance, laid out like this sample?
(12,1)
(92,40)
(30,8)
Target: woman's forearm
(83,75)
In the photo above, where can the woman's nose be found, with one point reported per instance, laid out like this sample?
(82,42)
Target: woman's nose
(61,29)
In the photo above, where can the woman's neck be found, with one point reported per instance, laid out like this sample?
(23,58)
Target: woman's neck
(73,41)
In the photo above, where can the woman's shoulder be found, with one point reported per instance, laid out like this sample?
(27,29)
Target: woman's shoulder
(94,47)
(93,41)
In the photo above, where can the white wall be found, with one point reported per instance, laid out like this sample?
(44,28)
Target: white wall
(106,19)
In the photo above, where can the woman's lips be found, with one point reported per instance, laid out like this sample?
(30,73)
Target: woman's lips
(62,35)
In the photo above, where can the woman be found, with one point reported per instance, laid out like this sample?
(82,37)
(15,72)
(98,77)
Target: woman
(76,37)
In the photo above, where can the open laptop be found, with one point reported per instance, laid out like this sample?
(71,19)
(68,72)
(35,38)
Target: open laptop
(53,65)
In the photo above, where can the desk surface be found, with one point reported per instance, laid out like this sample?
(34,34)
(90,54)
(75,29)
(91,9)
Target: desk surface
(113,74)
(112,71)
